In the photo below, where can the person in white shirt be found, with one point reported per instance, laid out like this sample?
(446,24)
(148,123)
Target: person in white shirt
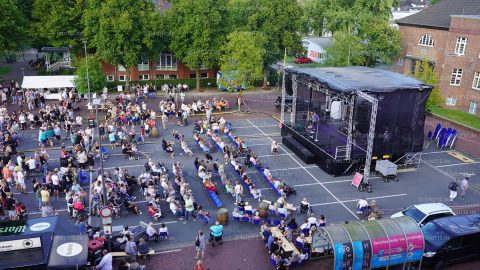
(106,261)
(151,232)
(78,120)
(362,205)
(238,192)
(21,181)
(312,220)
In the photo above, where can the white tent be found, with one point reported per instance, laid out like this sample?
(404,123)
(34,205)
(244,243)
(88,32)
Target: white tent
(41,82)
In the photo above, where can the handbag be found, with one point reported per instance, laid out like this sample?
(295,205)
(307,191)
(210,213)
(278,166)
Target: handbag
(197,242)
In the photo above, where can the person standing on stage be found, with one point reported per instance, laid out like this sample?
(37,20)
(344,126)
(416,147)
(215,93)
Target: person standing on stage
(315,119)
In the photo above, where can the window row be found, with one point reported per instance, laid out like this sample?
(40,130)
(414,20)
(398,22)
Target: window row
(145,77)
(460,45)
(472,108)
(456,78)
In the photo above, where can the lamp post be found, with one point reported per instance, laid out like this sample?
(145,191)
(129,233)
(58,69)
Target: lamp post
(88,79)
(97,102)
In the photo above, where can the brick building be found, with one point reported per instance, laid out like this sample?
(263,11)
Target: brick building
(166,67)
(448,35)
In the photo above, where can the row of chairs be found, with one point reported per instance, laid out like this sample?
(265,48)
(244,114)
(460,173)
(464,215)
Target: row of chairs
(445,137)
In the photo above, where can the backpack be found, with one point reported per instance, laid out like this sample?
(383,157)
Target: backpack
(452,186)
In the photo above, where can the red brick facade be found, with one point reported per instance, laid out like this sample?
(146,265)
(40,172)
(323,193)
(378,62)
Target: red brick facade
(152,70)
(444,57)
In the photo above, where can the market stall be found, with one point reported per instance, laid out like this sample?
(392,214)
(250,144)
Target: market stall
(51,86)
(371,244)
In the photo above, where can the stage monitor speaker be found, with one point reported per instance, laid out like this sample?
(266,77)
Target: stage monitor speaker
(362,118)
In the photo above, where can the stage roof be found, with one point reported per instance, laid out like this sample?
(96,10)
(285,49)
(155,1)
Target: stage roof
(40,82)
(351,79)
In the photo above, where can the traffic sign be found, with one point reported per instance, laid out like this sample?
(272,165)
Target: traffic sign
(106,212)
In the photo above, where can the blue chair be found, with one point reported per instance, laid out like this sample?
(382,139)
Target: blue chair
(104,152)
(276,222)
(236,218)
(273,212)
(268,221)
(151,238)
(273,262)
(256,221)
(164,235)
(249,212)
(246,219)
(322,225)
(305,231)
(241,209)
(299,244)
(283,216)
(430,135)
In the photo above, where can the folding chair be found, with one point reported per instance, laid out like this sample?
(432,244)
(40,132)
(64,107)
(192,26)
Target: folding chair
(246,219)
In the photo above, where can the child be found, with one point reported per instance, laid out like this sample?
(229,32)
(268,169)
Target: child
(163,232)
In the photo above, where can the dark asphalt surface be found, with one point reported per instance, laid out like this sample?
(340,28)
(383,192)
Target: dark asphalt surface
(333,197)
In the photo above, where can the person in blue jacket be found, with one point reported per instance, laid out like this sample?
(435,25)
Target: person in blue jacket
(216,233)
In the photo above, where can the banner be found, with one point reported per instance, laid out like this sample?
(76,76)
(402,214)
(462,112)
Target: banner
(20,244)
(357,179)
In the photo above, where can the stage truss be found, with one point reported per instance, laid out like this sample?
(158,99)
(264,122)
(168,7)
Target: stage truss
(349,99)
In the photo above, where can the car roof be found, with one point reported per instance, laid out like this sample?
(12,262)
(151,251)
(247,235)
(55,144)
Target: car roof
(459,225)
(428,208)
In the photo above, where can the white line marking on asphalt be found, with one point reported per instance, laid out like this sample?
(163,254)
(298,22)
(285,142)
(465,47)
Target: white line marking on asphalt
(457,164)
(261,144)
(335,197)
(370,198)
(272,155)
(437,152)
(254,127)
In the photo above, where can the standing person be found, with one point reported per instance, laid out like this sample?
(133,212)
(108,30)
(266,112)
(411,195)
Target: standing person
(453,187)
(464,187)
(199,265)
(238,192)
(200,244)
(106,261)
(189,209)
(164,120)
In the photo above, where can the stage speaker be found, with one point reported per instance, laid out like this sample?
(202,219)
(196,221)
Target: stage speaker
(362,118)
(288,85)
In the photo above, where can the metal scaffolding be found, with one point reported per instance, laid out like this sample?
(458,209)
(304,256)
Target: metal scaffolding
(284,93)
(371,133)
(351,104)
(294,100)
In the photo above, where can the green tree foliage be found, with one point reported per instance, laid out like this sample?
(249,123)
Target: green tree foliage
(433,2)
(198,32)
(362,21)
(243,57)
(95,75)
(122,31)
(13,26)
(424,72)
(58,22)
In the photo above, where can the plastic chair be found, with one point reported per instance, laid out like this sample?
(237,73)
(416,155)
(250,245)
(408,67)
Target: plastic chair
(268,221)
(299,244)
(276,222)
(273,212)
(164,235)
(246,219)
(249,212)
(305,231)
(256,221)
(104,152)
(283,216)
(236,218)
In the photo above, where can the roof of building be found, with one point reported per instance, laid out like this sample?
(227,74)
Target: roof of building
(323,42)
(356,78)
(438,16)
(162,5)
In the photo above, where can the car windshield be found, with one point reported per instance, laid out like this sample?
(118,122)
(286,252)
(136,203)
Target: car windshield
(414,213)
(435,235)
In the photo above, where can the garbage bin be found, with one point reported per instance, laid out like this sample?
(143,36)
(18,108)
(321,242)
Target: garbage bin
(263,209)
(222,216)
(91,121)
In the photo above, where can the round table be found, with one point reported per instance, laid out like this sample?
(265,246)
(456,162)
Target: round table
(94,245)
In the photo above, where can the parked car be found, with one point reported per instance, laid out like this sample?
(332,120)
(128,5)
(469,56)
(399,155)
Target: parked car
(424,213)
(451,240)
(302,60)
(288,103)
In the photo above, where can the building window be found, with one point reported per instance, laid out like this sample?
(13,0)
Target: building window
(173,77)
(121,68)
(167,62)
(160,77)
(426,40)
(461,46)
(456,76)
(473,107)
(143,66)
(476,81)
(193,75)
(143,77)
(110,78)
(121,78)
(204,75)
(451,101)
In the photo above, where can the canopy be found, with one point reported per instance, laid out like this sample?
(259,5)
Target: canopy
(61,81)
(355,78)
(38,242)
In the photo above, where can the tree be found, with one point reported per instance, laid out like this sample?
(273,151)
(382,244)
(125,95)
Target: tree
(121,31)
(243,57)
(346,50)
(433,2)
(13,26)
(58,22)
(95,75)
(425,72)
(199,32)
(279,21)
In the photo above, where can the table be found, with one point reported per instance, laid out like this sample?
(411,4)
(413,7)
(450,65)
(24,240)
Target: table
(286,246)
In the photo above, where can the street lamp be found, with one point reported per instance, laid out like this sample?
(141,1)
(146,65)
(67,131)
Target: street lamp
(97,102)
(86,64)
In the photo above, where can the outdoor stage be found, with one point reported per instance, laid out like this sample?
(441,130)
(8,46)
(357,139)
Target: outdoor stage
(347,117)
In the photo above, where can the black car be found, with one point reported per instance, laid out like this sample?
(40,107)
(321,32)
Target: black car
(288,103)
(451,240)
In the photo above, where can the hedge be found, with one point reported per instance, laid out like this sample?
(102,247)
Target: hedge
(192,83)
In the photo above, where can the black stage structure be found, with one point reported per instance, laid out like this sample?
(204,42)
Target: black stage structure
(344,117)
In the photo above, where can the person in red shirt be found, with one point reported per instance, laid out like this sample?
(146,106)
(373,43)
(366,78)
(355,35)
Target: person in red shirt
(154,212)
(199,265)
